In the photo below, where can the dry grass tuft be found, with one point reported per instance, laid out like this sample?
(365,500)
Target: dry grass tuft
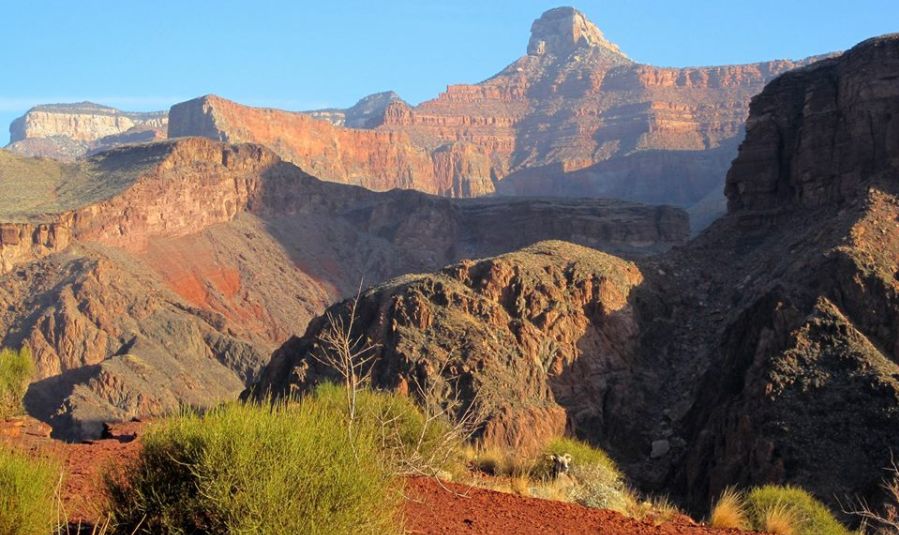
(780,520)
(521,485)
(730,511)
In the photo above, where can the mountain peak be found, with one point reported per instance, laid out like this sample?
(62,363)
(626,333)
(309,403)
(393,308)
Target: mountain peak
(563,30)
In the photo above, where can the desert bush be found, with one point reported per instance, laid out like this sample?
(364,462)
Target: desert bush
(655,509)
(16,370)
(780,504)
(244,468)
(729,511)
(780,519)
(27,494)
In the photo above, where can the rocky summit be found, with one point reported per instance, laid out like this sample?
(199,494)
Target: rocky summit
(766,350)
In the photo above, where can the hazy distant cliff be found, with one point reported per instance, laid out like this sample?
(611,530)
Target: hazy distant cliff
(69,131)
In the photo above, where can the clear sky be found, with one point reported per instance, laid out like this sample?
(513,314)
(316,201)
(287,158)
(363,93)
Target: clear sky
(145,55)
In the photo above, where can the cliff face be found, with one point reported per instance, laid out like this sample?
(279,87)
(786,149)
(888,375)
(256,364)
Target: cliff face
(816,135)
(144,270)
(573,117)
(373,159)
(766,350)
(69,131)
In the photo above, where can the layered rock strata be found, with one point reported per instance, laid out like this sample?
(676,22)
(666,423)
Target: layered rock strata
(69,131)
(164,273)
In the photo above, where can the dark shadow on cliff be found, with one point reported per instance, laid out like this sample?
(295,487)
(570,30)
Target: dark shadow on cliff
(766,354)
(342,234)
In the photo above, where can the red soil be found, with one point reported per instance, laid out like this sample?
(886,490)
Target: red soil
(432,507)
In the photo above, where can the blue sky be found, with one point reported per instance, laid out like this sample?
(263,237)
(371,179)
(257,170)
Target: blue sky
(147,55)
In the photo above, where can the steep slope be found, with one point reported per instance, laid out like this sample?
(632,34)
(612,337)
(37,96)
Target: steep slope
(574,117)
(166,273)
(68,131)
(766,350)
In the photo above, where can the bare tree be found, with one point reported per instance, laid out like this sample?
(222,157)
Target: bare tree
(347,354)
(448,421)
(886,521)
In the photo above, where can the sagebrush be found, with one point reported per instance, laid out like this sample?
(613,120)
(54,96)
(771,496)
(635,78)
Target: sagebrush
(289,467)
(27,494)
(16,371)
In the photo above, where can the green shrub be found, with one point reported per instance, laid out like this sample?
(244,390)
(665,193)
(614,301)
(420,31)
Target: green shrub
(811,516)
(244,468)
(27,494)
(16,370)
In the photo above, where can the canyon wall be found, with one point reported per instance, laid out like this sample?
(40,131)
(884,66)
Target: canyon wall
(185,262)
(574,117)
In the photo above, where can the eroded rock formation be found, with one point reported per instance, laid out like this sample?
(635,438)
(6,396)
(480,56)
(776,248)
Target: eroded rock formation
(69,131)
(526,332)
(163,273)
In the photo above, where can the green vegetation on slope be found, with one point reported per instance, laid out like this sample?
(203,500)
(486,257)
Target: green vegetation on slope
(16,370)
(27,494)
(32,188)
(780,510)
(293,467)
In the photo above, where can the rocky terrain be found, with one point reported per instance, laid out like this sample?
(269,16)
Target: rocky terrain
(69,131)
(766,350)
(165,273)
(574,117)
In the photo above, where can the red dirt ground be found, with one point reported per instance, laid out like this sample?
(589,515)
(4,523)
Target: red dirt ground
(435,507)
(432,507)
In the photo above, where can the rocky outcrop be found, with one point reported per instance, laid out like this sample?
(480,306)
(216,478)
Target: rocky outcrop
(573,117)
(563,30)
(69,131)
(551,322)
(146,269)
(23,242)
